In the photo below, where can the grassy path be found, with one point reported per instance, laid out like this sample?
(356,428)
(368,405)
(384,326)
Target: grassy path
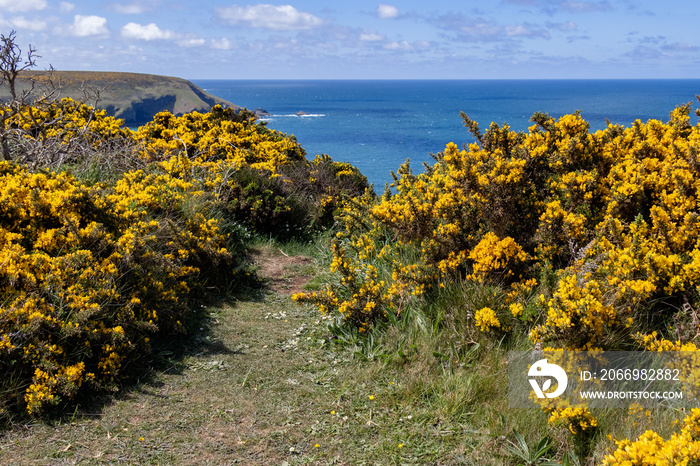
(260,387)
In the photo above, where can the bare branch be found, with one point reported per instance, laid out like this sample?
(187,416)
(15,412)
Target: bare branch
(12,61)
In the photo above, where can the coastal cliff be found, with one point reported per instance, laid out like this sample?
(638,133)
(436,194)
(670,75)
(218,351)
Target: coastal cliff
(133,97)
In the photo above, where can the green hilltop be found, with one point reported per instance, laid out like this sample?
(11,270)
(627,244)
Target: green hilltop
(133,97)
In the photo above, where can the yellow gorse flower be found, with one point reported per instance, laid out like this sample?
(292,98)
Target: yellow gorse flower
(614,212)
(592,232)
(90,274)
(486,319)
(682,448)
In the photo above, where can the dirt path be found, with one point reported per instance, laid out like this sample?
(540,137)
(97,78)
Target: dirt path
(244,395)
(285,274)
(257,386)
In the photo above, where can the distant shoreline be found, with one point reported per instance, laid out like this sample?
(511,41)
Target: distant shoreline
(440,80)
(133,97)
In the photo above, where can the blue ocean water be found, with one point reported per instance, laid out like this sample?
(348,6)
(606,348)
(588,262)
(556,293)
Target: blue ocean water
(377,125)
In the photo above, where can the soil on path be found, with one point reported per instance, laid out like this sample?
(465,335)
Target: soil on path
(284,274)
(245,391)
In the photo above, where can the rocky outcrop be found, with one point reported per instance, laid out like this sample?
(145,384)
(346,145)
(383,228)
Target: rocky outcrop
(261,113)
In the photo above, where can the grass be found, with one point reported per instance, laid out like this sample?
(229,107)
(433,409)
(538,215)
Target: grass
(264,382)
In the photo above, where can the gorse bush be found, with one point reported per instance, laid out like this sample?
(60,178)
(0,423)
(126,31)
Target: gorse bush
(220,135)
(260,177)
(610,215)
(301,198)
(65,119)
(682,448)
(66,133)
(92,274)
(592,238)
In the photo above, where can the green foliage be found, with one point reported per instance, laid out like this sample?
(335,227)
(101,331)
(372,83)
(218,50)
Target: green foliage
(530,456)
(299,200)
(93,275)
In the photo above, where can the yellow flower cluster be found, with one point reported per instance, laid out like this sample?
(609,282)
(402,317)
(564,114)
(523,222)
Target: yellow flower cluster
(577,419)
(576,315)
(88,273)
(495,258)
(259,177)
(486,319)
(65,119)
(356,297)
(611,216)
(682,448)
(595,234)
(618,204)
(636,413)
(218,135)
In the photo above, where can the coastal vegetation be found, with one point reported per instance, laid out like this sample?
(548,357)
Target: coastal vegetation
(102,255)
(558,237)
(127,260)
(131,97)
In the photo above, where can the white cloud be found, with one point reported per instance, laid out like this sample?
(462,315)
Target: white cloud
(525,30)
(680,47)
(481,29)
(85,26)
(133,9)
(148,32)
(369,36)
(20,22)
(282,17)
(22,5)
(221,44)
(191,42)
(408,46)
(403,45)
(151,31)
(469,29)
(387,11)
(65,7)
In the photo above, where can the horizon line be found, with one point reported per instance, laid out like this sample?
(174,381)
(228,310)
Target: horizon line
(443,79)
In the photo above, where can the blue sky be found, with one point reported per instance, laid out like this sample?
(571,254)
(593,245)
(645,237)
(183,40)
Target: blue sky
(305,39)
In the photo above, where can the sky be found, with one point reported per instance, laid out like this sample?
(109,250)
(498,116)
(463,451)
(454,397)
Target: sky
(362,39)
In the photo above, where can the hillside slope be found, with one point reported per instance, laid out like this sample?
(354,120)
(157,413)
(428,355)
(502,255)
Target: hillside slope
(133,97)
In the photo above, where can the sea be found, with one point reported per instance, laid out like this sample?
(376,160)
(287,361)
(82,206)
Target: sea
(377,124)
